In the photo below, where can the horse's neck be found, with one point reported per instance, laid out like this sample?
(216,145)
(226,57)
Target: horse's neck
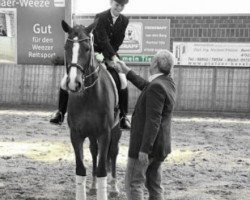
(96,99)
(92,74)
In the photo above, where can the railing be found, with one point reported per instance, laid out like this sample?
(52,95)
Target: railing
(219,89)
(212,89)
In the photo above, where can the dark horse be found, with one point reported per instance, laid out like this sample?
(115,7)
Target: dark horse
(91,110)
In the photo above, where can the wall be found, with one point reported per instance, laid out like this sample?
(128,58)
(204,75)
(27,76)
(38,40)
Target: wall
(198,89)
(201,28)
(215,89)
(29,84)
(215,28)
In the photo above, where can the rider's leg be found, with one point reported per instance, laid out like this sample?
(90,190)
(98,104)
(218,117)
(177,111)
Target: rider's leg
(62,103)
(121,83)
(125,123)
(123,103)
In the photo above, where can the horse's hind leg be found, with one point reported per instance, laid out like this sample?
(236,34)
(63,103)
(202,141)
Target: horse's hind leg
(113,152)
(103,146)
(77,144)
(94,151)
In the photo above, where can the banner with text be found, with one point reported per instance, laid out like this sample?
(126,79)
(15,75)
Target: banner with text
(212,54)
(34,33)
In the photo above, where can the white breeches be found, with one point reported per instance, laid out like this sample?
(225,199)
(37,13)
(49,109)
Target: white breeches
(63,82)
(123,79)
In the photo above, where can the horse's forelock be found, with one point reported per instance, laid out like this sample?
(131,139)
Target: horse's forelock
(79,31)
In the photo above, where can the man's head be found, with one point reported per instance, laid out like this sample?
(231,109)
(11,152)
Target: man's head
(117,6)
(162,62)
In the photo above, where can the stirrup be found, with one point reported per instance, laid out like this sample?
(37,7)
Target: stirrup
(125,120)
(57,119)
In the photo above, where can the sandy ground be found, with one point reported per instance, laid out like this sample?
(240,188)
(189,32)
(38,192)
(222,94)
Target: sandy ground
(210,158)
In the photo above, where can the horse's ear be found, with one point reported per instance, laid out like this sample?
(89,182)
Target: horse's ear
(66,27)
(92,26)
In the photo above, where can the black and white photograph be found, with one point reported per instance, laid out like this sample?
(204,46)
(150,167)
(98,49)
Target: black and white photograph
(124,100)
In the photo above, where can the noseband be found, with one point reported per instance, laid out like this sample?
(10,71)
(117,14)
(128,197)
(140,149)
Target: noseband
(84,68)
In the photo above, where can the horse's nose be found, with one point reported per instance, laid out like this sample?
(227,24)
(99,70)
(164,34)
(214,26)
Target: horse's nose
(78,85)
(67,81)
(74,85)
(69,84)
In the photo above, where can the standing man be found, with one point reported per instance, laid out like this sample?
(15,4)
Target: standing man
(109,34)
(150,139)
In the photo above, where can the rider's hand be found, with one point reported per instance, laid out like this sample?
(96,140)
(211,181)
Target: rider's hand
(99,57)
(115,58)
(110,63)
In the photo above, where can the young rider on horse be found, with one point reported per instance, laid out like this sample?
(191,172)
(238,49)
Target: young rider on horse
(108,36)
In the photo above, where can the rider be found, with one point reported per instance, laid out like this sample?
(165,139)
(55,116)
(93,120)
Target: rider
(108,36)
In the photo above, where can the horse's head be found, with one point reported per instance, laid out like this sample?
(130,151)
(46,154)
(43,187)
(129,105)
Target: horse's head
(79,54)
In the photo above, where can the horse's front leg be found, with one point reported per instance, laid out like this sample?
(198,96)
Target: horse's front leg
(103,146)
(77,144)
(113,152)
(94,151)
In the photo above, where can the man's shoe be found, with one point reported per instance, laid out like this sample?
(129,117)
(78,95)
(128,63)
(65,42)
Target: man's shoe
(125,123)
(58,119)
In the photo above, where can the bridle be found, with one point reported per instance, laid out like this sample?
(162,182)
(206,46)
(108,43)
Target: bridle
(88,65)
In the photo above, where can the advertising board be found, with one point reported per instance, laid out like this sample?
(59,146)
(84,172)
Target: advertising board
(34,33)
(212,54)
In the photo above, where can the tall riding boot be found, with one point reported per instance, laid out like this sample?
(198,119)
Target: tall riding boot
(123,104)
(62,107)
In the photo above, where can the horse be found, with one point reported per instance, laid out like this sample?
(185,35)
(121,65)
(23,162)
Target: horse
(92,110)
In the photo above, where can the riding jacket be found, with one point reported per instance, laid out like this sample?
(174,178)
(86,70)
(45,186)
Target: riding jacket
(108,37)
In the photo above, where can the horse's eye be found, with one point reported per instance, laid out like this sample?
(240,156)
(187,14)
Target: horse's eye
(87,49)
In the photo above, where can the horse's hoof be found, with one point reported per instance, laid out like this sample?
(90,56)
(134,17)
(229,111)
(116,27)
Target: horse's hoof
(113,194)
(92,191)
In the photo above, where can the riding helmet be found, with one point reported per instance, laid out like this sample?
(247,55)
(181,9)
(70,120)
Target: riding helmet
(123,2)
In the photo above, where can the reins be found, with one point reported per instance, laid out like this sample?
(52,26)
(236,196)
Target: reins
(91,62)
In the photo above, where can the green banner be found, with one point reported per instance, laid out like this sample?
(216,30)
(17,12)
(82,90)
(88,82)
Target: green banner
(136,58)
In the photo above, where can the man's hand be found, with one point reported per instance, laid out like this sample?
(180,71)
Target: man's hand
(143,158)
(122,67)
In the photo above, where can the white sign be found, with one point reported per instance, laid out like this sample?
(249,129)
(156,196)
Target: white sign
(59,3)
(133,38)
(212,54)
